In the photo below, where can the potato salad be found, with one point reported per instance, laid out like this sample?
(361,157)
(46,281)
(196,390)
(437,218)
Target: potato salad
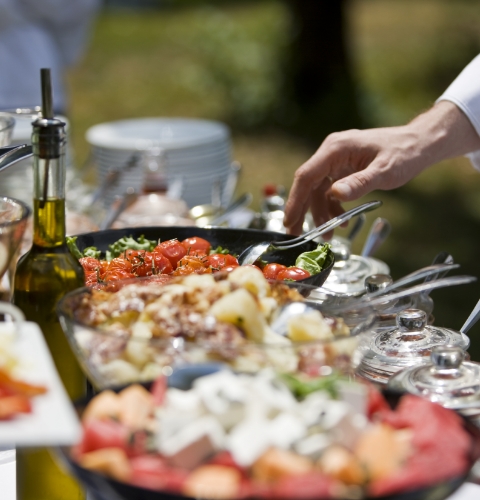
(135,332)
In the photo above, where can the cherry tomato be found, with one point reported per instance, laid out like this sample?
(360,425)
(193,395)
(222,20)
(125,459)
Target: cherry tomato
(196,244)
(162,264)
(293,273)
(119,269)
(91,268)
(270,271)
(173,251)
(219,261)
(191,264)
(89,263)
(148,263)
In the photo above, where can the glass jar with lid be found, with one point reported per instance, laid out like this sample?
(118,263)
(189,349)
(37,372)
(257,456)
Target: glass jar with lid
(410,343)
(448,379)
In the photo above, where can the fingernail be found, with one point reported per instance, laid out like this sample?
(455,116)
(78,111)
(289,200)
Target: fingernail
(343,189)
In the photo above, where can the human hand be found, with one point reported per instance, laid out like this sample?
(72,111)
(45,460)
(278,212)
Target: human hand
(347,166)
(351,164)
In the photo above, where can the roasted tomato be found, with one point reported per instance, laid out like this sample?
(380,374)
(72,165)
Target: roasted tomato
(173,251)
(192,264)
(196,245)
(148,263)
(293,273)
(270,271)
(119,269)
(89,263)
(219,261)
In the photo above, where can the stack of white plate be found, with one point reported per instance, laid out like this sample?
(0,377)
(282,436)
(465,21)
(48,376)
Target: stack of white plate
(196,154)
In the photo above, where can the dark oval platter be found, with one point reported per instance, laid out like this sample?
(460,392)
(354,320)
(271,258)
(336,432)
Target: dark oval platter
(101,487)
(235,240)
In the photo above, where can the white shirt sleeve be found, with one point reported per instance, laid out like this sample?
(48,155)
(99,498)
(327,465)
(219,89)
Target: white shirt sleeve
(464,91)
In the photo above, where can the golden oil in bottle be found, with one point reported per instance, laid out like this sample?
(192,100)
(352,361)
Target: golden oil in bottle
(42,277)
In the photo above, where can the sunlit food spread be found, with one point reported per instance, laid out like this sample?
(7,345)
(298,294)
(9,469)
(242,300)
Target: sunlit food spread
(214,376)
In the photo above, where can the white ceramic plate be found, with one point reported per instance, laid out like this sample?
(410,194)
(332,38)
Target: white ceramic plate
(53,420)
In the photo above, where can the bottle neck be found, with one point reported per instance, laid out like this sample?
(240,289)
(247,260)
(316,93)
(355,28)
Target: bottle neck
(49,185)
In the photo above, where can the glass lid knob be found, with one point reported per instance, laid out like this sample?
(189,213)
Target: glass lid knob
(377,282)
(411,320)
(447,357)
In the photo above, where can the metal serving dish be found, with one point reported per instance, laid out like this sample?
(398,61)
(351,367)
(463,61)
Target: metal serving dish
(235,240)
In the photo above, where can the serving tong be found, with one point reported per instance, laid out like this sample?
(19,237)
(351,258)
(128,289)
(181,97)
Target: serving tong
(254,252)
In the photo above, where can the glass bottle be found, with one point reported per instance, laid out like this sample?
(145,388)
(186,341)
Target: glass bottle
(43,275)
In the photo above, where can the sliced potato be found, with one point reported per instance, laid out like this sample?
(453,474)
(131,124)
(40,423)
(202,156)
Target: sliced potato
(241,309)
(309,326)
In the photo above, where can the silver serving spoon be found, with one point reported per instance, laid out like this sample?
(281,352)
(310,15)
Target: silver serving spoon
(281,319)
(378,234)
(430,272)
(254,252)
(424,301)
(472,319)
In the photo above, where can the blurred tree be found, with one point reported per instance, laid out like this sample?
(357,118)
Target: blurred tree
(312,93)
(319,81)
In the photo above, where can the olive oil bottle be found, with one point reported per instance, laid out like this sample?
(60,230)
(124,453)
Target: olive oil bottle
(43,275)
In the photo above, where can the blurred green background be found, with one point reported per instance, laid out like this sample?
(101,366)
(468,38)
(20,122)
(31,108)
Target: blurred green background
(372,63)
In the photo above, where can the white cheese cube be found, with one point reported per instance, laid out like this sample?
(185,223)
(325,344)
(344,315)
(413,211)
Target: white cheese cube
(249,440)
(285,429)
(313,446)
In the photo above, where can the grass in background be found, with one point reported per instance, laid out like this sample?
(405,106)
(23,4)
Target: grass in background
(225,63)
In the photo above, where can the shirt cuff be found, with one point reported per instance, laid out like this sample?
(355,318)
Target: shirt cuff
(464,92)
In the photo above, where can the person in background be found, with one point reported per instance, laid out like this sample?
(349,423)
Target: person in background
(352,163)
(38,34)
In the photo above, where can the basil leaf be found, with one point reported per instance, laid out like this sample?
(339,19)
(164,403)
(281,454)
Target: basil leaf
(314,260)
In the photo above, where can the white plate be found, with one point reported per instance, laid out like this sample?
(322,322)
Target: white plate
(53,420)
(163,132)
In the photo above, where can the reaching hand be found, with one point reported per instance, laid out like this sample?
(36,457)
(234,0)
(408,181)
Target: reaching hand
(351,164)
